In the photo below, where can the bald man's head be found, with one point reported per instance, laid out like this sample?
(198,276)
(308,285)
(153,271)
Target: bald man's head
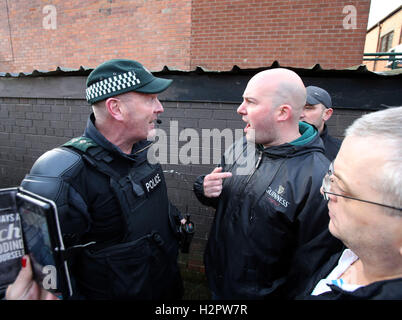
(272,103)
(284,86)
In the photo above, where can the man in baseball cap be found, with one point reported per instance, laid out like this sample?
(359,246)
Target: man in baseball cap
(317,111)
(101,184)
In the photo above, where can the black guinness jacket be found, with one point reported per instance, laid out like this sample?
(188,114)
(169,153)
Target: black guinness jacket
(265,218)
(118,202)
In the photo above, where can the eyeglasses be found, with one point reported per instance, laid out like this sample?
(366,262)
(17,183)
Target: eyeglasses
(326,189)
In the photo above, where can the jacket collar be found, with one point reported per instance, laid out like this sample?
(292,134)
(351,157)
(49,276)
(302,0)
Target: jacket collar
(324,132)
(383,290)
(92,132)
(308,141)
(308,132)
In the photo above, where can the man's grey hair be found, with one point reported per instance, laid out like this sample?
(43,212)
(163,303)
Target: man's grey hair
(385,125)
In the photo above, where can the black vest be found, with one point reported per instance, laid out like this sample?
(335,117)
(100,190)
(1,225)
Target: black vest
(135,255)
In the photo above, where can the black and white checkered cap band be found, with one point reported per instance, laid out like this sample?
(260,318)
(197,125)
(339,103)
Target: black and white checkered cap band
(112,84)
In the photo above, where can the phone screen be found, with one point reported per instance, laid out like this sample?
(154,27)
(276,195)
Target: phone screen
(40,246)
(36,234)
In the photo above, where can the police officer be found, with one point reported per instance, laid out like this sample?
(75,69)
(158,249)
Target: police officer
(112,202)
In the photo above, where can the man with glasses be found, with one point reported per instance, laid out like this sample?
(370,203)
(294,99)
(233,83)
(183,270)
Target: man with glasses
(364,191)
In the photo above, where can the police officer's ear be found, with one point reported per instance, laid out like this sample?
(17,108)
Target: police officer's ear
(114,108)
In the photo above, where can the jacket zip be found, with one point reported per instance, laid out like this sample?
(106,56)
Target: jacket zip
(256,167)
(145,148)
(251,217)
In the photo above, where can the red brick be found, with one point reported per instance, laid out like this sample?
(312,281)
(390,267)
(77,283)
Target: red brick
(182,34)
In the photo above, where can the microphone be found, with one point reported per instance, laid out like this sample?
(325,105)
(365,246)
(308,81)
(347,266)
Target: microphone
(158,121)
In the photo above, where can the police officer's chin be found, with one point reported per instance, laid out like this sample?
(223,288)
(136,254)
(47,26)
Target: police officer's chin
(151,131)
(151,134)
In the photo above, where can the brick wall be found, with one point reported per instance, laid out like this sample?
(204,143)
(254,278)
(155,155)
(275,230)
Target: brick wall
(28,127)
(180,34)
(155,32)
(297,33)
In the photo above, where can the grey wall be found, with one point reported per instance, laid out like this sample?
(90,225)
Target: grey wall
(38,114)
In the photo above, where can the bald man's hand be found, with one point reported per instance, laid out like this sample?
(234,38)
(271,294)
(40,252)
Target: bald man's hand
(213,182)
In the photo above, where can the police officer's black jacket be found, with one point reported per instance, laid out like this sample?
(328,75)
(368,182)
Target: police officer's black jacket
(380,290)
(266,217)
(120,202)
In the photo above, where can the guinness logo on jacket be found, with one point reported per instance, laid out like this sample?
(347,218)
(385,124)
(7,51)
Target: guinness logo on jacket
(277,196)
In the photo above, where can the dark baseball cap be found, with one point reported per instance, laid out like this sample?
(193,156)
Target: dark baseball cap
(118,76)
(316,95)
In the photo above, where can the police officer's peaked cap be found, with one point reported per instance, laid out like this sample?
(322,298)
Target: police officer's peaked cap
(119,76)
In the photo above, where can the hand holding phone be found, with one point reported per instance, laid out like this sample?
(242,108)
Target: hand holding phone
(25,287)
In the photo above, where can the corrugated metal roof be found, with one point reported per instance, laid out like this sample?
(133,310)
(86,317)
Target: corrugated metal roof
(352,88)
(44,73)
(316,69)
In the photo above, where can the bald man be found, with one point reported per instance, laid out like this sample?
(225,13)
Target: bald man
(266,215)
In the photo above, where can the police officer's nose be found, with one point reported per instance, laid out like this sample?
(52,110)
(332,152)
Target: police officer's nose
(158,107)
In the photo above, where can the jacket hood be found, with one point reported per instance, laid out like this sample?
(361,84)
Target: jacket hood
(308,141)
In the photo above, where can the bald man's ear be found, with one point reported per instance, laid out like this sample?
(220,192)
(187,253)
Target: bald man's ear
(284,112)
(114,108)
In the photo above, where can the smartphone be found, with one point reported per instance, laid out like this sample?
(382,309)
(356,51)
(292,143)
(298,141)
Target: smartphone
(44,243)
